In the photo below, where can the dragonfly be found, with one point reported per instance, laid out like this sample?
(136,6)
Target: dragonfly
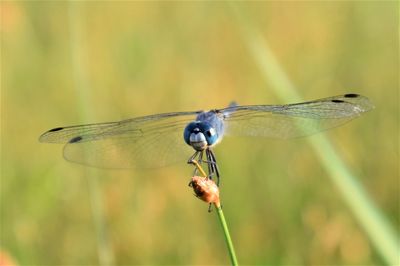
(162,139)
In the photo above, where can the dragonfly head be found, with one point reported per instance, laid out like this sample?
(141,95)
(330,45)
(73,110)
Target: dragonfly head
(200,135)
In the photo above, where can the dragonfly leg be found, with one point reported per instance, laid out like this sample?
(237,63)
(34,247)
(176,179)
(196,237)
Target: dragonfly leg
(190,161)
(209,165)
(210,161)
(201,157)
(212,165)
(197,160)
(214,160)
(210,207)
(193,157)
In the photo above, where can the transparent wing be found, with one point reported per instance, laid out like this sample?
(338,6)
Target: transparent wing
(144,142)
(294,120)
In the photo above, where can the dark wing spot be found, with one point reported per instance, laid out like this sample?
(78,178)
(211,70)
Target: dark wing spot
(351,95)
(76,139)
(55,129)
(337,101)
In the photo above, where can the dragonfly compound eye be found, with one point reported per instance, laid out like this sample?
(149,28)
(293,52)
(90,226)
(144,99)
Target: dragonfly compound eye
(199,135)
(192,127)
(211,136)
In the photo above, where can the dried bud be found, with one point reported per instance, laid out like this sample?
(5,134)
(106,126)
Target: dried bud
(205,189)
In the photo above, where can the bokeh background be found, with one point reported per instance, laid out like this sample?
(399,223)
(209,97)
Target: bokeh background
(65,63)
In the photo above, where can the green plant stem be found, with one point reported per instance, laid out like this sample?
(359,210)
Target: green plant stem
(228,239)
(221,217)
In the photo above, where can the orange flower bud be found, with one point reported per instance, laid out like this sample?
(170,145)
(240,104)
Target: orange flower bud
(205,189)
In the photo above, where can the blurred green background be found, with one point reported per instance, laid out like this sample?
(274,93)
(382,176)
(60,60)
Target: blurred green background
(68,63)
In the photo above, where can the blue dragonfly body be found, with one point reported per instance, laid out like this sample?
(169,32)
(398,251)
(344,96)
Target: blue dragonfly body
(156,140)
